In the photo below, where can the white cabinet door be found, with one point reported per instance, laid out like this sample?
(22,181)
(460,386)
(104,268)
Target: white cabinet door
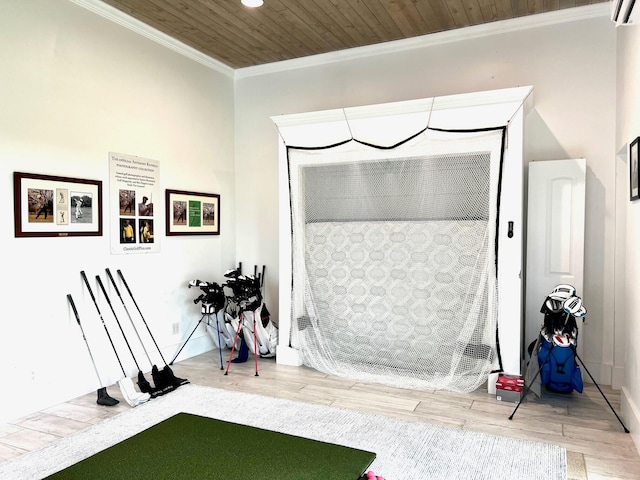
(555,235)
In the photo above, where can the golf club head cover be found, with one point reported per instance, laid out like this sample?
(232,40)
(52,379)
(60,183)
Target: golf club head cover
(143,384)
(171,378)
(105,399)
(159,380)
(129,393)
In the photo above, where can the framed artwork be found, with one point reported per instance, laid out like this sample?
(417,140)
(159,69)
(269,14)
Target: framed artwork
(634,180)
(50,206)
(192,213)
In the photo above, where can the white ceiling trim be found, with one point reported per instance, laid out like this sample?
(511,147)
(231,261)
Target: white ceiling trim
(466,33)
(127,21)
(433,39)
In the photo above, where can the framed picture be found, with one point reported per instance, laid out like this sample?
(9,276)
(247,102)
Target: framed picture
(192,213)
(634,179)
(49,206)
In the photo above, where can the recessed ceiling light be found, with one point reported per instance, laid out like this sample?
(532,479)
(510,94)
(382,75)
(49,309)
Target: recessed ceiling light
(252,3)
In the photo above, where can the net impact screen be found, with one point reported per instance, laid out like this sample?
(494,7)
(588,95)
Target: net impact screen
(394,259)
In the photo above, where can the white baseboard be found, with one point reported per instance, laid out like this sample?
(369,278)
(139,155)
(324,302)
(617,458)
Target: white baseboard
(630,416)
(617,380)
(288,356)
(601,373)
(195,346)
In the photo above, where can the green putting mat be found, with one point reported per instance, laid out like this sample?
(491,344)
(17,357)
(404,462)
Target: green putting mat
(188,446)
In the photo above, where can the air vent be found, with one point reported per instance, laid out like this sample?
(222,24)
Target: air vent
(625,12)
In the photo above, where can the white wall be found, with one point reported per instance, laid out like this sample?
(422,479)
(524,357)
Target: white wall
(628,128)
(572,69)
(73,87)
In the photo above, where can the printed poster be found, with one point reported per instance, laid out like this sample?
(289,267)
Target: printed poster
(134,187)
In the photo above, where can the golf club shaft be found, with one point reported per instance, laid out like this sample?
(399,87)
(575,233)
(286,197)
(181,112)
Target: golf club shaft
(115,287)
(75,312)
(95,302)
(104,292)
(141,316)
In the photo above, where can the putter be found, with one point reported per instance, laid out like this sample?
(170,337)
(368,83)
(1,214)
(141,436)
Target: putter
(103,397)
(166,372)
(129,393)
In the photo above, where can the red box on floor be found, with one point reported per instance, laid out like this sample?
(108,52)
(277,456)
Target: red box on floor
(512,383)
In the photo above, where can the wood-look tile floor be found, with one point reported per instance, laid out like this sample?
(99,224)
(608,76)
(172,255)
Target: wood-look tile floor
(583,423)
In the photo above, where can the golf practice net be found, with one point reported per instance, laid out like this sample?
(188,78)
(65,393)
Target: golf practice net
(394,259)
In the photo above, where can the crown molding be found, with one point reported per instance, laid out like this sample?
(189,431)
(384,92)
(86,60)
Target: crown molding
(110,13)
(467,33)
(433,39)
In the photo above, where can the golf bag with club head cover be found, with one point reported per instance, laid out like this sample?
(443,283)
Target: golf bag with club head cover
(554,357)
(249,317)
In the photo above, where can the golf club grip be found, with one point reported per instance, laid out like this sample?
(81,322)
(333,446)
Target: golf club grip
(113,282)
(73,306)
(95,302)
(128,290)
(86,281)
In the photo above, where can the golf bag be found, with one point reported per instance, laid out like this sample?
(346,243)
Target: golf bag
(553,355)
(213,304)
(560,372)
(245,310)
(555,349)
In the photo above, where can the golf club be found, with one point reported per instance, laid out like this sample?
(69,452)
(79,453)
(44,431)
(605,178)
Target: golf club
(160,383)
(129,393)
(166,372)
(103,397)
(143,383)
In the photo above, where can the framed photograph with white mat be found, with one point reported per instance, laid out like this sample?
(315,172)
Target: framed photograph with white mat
(53,206)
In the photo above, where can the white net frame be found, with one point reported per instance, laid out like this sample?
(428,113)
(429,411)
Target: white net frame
(354,313)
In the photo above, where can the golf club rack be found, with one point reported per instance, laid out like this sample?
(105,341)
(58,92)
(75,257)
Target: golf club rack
(554,357)
(164,379)
(236,317)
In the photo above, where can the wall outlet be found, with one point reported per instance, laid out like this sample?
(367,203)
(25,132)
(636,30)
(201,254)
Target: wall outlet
(175,328)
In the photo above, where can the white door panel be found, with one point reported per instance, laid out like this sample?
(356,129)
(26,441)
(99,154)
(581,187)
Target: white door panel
(555,234)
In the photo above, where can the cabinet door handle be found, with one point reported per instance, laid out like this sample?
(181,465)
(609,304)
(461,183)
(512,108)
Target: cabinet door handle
(510,231)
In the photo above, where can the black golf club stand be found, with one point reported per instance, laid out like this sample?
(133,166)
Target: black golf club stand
(527,388)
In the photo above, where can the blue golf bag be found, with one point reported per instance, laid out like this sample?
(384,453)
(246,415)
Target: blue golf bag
(559,371)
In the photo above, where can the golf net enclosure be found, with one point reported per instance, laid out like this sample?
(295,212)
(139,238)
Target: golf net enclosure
(394,258)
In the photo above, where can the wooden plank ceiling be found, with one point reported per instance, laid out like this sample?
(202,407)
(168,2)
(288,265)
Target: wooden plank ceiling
(280,30)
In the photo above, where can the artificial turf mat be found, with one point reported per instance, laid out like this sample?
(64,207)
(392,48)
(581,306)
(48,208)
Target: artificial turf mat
(188,446)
